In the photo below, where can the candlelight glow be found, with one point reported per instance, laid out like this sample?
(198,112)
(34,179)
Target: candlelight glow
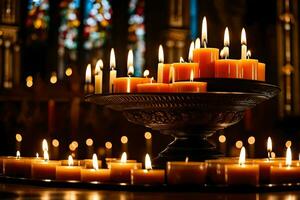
(69,71)
(99,66)
(181,60)
(95,162)
(222,138)
(53,78)
(108,145)
(124,157)
(19,137)
(288,144)
(222,53)
(37,155)
(192,75)
(148,164)
(251,140)
(146,73)
(160,54)
(226,37)
(55,142)
(248,54)
(192,47)
(197,44)
(269,144)
(186,159)
(29,81)
(88,74)
(288,159)
(89,142)
(46,156)
(242,158)
(148,135)
(18,154)
(239,144)
(112,60)
(124,139)
(45,145)
(204,32)
(243,37)
(70,161)
(130,69)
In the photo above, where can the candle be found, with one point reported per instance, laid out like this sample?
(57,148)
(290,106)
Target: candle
(129,84)
(121,171)
(242,174)
(227,68)
(285,174)
(154,88)
(147,175)
(44,169)
(88,87)
(69,172)
(88,163)
(113,72)
(186,173)
(95,174)
(160,71)
(98,77)
(261,72)
(182,70)
(206,57)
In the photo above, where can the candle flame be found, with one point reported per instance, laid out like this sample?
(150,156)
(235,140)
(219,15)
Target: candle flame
(192,75)
(45,145)
(88,74)
(95,162)
(243,37)
(146,73)
(148,164)
(186,159)
(160,54)
(46,156)
(70,161)
(37,155)
(112,60)
(288,159)
(152,79)
(226,37)
(130,68)
(192,47)
(269,144)
(18,154)
(99,66)
(197,44)
(222,53)
(124,157)
(242,158)
(204,32)
(181,60)
(248,54)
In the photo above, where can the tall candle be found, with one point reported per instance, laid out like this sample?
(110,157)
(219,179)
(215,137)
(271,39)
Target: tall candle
(98,77)
(113,72)
(160,71)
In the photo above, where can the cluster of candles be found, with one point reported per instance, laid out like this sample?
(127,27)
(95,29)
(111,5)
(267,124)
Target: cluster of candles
(224,171)
(203,62)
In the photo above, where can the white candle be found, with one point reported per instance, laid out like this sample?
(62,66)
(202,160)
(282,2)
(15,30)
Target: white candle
(98,77)
(130,68)
(244,44)
(113,72)
(160,73)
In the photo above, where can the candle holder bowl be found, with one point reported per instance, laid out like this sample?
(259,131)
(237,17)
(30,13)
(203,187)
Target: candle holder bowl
(190,117)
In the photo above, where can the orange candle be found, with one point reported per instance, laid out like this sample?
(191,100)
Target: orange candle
(153,88)
(121,171)
(44,169)
(186,173)
(242,174)
(206,57)
(261,72)
(166,73)
(1,164)
(189,86)
(182,71)
(128,84)
(95,174)
(147,175)
(249,68)
(88,163)
(69,172)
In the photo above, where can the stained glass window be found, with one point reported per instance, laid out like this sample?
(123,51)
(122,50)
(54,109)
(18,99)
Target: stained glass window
(37,21)
(97,21)
(136,33)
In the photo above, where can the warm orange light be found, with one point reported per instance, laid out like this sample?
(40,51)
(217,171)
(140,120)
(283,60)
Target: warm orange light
(95,162)
(112,60)
(148,135)
(251,140)
(69,71)
(37,155)
(243,37)
(192,75)
(160,54)
(239,144)
(18,154)
(88,74)
(124,139)
(99,66)
(70,161)
(124,157)
(108,145)
(242,158)
(89,142)
(75,144)
(19,137)
(288,159)
(222,138)
(53,78)
(146,73)
(130,68)
(204,32)
(269,144)
(29,81)
(197,44)
(55,142)
(192,47)
(273,155)
(148,164)
(288,144)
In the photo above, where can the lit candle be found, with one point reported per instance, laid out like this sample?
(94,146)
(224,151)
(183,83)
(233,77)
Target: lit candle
(186,173)
(147,175)
(44,169)
(98,77)
(88,87)
(206,57)
(120,171)
(152,87)
(241,173)
(69,172)
(160,72)
(285,174)
(95,174)
(113,72)
(227,68)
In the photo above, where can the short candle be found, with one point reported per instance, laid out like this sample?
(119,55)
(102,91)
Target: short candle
(95,174)
(69,172)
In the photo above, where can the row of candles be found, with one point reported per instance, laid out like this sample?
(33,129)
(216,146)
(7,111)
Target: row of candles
(231,171)
(203,62)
